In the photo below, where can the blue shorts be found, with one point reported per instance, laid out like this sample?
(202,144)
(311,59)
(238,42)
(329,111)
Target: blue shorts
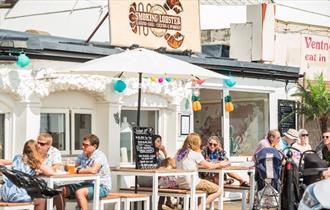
(90,187)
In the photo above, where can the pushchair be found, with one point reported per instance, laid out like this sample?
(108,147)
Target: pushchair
(290,191)
(267,176)
(310,168)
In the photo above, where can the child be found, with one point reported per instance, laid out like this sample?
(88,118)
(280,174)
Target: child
(167,181)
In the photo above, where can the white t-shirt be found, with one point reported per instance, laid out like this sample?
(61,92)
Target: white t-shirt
(190,162)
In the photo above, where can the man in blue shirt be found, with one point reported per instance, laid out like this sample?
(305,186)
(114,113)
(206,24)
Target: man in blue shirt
(289,137)
(91,161)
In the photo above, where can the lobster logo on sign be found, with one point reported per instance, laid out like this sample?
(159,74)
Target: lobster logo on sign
(158,19)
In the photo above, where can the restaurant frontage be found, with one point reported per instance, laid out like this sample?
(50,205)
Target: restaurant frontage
(36,99)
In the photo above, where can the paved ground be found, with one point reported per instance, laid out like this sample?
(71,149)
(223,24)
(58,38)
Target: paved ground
(228,205)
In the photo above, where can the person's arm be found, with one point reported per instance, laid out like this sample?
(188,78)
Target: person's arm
(4,162)
(213,165)
(48,171)
(162,148)
(56,166)
(90,170)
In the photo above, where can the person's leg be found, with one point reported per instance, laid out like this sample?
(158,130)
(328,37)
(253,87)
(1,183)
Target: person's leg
(59,202)
(212,190)
(161,201)
(39,204)
(81,196)
(237,177)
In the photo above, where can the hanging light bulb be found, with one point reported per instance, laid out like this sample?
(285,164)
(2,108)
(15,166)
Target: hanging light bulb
(196,92)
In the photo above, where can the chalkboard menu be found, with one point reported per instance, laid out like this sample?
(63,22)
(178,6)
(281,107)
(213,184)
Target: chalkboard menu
(286,119)
(145,148)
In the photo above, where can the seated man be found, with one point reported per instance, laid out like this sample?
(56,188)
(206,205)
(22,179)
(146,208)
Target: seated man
(289,137)
(91,161)
(50,155)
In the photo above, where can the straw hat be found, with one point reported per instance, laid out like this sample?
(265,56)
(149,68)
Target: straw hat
(292,134)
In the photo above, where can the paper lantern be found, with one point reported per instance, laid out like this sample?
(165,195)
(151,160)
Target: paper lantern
(231,82)
(160,79)
(153,79)
(168,79)
(196,106)
(119,86)
(22,60)
(195,98)
(229,106)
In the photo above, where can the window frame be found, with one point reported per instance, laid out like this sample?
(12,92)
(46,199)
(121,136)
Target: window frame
(66,113)
(74,111)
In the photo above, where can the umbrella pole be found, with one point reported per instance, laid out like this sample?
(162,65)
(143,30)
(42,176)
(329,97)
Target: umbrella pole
(138,122)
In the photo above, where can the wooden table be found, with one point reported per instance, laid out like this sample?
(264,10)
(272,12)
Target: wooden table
(233,169)
(74,179)
(155,174)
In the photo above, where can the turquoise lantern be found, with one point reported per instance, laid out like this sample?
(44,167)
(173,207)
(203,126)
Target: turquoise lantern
(119,86)
(22,60)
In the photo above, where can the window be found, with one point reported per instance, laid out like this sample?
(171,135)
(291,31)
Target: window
(208,121)
(2,135)
(54,124)
(67,127)
(249,122)
(128,121)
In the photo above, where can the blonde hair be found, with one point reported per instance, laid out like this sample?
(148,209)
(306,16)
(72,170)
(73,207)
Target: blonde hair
(214,138)
(30,154)
(47,137)
(193,141)
(300,132)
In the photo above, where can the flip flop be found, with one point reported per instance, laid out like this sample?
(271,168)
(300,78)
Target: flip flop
(245,184)
(229,181)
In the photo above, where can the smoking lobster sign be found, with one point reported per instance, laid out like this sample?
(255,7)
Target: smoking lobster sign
(173,24)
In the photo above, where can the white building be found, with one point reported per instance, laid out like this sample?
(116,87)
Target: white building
(34,100)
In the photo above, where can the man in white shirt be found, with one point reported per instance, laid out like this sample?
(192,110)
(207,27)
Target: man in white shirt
(51,155)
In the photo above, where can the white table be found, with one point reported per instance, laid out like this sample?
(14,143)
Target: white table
(233,169)
(155,174)
(74,179)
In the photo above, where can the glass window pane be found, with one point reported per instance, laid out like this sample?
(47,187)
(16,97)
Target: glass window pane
(249,122)
(208,121)
(2,135)
(83,126)
(54,124)
(147,119)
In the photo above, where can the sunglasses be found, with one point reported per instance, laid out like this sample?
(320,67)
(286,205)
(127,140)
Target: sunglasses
(325,137)
(304,134)
(42,143)
(213,145)
(85,145)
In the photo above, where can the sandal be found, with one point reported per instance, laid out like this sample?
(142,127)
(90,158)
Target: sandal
(229,181)
(245,184)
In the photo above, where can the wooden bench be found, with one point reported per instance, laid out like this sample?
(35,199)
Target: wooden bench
(127,198)
(180,193)
(110,199)
(16,205)
(237,188)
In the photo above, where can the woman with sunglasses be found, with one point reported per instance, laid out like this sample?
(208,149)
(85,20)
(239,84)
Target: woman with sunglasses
(303,143)
(213,152)
(189,157)
(29,162)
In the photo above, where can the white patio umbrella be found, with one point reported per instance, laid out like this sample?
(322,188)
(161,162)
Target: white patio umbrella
(133,63)
(140,61)
(149,63)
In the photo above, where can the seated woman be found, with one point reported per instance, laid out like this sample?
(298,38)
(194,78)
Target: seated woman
(29,162)
(189,157)
(213,152)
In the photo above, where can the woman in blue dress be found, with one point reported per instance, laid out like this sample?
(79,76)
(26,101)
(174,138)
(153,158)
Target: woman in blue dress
(29,162)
